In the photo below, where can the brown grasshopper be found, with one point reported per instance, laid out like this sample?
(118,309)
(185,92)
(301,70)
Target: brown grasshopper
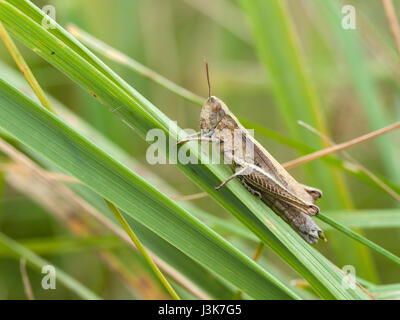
(261,174)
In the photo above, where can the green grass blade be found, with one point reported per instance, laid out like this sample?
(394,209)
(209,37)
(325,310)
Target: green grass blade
(63,245)
(99,46)
(142,249)
(387,292)
(226,227)
(142,115)
(293,90)
(370,244)
(202,281)
(206,281)
(296,98)
(37,262)
(37,15)
(23,66)
(115,55)
(358,219)
(368,219)
(350,46)
(49,136)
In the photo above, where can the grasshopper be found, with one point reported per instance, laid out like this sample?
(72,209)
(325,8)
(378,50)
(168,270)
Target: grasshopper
(261,174)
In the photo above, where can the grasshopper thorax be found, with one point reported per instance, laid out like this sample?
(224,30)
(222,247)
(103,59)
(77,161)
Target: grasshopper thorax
(213,111)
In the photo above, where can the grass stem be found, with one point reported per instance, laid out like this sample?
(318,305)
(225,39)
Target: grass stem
(142,249)
(341,146)
(117,56)
(23,66)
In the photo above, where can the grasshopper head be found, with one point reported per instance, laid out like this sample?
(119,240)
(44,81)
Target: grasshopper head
(212,113)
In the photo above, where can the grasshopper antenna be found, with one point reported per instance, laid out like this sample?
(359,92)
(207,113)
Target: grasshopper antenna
(208,77)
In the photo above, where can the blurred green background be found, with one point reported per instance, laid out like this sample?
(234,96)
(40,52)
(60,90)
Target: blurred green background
(171,37)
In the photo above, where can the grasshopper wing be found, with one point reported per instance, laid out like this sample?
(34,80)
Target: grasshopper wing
(265,183)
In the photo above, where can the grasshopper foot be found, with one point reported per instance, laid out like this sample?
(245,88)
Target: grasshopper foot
(314,210)
(313,192)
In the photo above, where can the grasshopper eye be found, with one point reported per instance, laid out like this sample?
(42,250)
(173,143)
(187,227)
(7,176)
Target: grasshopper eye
(216,107)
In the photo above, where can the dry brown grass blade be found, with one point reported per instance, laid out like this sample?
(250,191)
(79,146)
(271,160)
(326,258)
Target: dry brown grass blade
(46,103)
(73,218)
(60,177)
(23,66)
(356,283)
(28,177)
(355,163)
(393,22)
(193,196)
(25,280)
(341,146)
